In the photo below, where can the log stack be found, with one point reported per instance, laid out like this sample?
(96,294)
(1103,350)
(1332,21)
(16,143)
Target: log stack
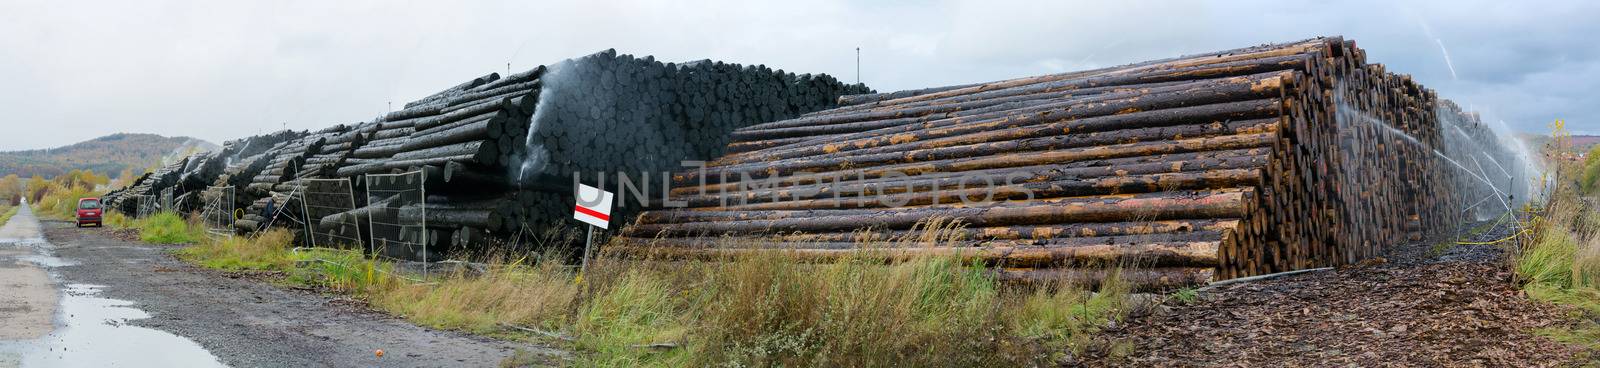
(501,153)
(608,115)
(122,199)
(1242,162)
(151,184)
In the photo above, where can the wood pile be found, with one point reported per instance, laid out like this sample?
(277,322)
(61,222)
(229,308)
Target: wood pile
(121,199)
(501,152)
(149,184)
(610,115)
(1184,170)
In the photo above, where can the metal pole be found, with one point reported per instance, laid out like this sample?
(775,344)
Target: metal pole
(372,238)
(305,210)
(587,240)
(422,188)
(350,193)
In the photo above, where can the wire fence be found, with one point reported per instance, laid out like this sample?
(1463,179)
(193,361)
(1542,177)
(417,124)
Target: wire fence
(217,212)
(289,211)
(166,199)
(146,206)
(397,216)
(327,204)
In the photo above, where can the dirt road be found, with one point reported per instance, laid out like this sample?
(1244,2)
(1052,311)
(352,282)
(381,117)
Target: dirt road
(237,322)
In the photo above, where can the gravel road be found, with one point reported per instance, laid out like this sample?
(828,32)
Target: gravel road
(249,323)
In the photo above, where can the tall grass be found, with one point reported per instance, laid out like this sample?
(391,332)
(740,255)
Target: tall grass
(1564,252)
(1560,263)
(344,271)
(116,220)
(262,251)
(510,292)
(6,212)
(768,309)
(168,228)
(773,310)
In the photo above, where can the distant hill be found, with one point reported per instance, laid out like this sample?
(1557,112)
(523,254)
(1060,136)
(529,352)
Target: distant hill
(1581,143)
(107,155)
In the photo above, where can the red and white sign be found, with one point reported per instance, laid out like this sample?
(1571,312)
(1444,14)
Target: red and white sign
(594,206)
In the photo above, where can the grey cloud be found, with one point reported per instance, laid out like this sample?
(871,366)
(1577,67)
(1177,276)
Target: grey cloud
(219,70)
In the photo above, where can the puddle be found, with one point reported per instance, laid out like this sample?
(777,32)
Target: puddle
(93,332)
(47,261)
(19,241)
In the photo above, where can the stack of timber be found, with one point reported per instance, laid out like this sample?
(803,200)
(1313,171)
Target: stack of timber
(339,144)
(123,199)
(1186,170)
(272,187)
(606,115)
(204,168)
(501,153)
(246,158)
(149,184)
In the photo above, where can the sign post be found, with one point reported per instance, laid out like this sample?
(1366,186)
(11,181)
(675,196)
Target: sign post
(594,208)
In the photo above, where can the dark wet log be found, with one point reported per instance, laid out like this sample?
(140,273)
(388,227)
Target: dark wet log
(454,90)
(529,75)
(442,216)
(508,91)
(399,164)
(478,151)
(484,127)
(379,151)
(463,112)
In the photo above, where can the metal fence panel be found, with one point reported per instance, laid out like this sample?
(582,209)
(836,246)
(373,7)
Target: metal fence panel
(328,205)
(392,234)
(218,212)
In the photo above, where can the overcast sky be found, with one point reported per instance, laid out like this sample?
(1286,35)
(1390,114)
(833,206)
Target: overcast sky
(218,70)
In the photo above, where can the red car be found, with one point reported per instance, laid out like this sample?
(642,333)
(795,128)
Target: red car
(89,211)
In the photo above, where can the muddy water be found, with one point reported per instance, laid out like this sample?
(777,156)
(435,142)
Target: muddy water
(49,323)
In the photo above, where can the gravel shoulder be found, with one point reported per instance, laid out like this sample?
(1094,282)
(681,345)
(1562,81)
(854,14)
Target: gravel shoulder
(1417,306)
(249,323)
